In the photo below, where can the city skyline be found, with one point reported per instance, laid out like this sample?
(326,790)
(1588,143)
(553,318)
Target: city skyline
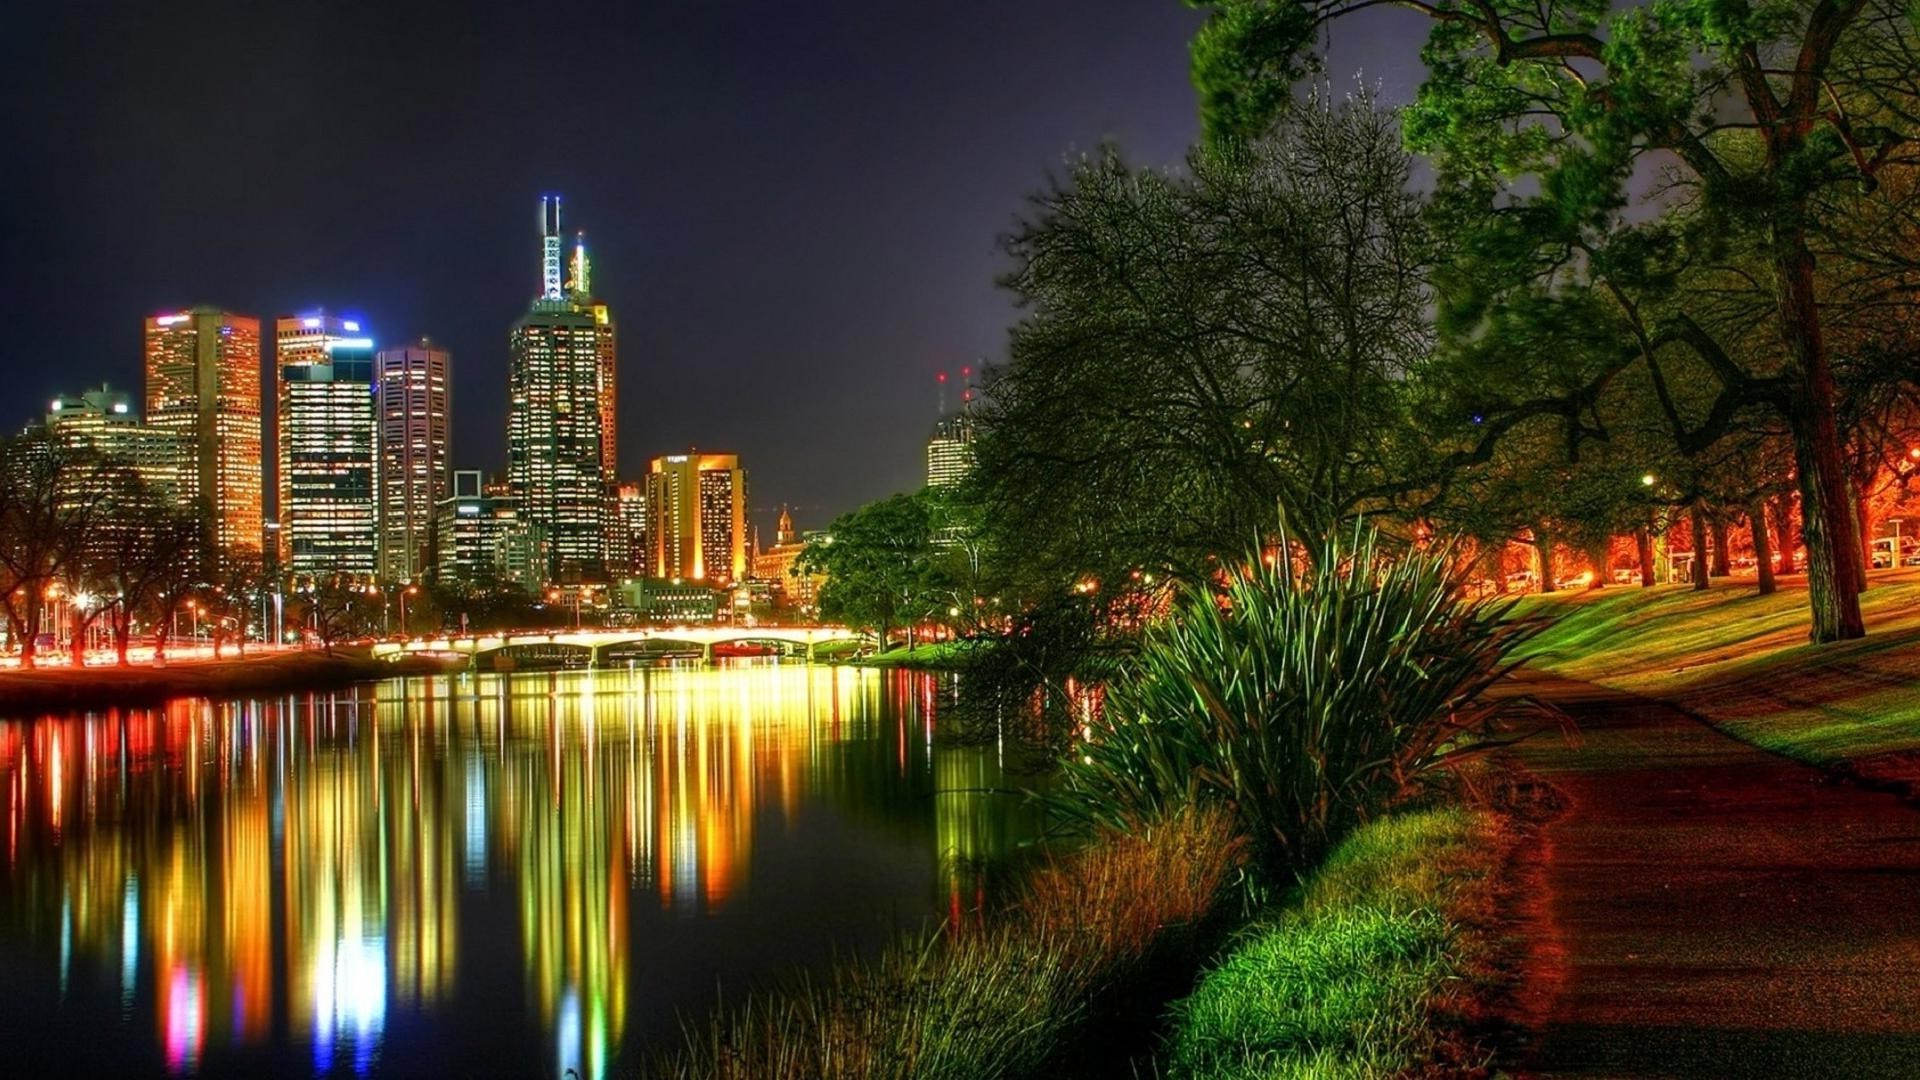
(770,279)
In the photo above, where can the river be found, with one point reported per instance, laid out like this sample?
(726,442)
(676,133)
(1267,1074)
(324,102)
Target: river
(475,874)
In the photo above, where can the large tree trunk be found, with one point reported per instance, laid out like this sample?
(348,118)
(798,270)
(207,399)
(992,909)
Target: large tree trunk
(1762,545)
(122,636)
(1697,518)
(1643,546)
(1863,508)
(1722,565)
(1543,558)
(1826,518)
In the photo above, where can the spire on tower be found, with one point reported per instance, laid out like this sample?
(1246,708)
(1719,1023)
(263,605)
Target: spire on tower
(579,285)
(550,247)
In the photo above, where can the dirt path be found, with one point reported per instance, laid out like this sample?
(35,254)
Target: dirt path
(1706,909)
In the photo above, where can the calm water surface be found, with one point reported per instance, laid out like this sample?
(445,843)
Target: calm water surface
(474,875)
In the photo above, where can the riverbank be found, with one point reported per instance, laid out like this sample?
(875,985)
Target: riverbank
(1742,662)
(55,690)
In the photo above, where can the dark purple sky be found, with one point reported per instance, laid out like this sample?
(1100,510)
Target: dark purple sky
(793,206)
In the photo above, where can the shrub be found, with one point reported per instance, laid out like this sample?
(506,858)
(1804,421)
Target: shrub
(1303,701)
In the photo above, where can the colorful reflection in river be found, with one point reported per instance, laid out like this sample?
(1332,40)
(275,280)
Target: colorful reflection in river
(339,881)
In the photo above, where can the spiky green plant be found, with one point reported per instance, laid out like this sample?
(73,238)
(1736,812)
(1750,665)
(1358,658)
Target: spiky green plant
(1305,700)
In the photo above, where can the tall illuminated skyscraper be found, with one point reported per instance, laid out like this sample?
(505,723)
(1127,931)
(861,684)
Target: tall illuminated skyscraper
(326,439)
(105,422)
(412,396)
(555,458)
(203,384)
(697,518)
(950,451)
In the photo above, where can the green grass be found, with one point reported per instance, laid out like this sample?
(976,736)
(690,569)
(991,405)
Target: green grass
(934,654)
(1743,661)
(1348,982)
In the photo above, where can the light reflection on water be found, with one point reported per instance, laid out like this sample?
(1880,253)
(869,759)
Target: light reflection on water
(525,873)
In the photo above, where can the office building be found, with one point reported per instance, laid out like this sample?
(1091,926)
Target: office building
(103,421)
(697,518)
(480,539)
(326,438)
(555,467)
(778,566)
(629,554)
(203,386)
(412,395)
(950,450)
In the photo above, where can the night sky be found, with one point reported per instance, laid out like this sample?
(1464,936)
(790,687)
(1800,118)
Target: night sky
(793,207)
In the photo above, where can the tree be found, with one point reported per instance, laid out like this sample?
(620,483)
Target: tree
(879,564)
(336,610)
(1201,349)
(1777,122)
(49,500)
(144,558)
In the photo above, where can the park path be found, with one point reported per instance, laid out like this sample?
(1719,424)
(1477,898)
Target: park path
(1702,908)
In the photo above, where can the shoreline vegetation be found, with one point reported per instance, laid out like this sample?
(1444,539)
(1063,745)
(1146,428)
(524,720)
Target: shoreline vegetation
(50,690)
(1742,662)
(1273,855)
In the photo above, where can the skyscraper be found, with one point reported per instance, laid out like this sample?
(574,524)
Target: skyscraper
(554,435)
(950,450)
(203,385)
(326,438)
(697,518)
(412,393)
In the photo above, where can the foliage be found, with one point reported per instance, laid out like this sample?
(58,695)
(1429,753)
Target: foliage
(1347,983)
(1009,999)
(879,563)
(1304,701)
(1198,348)
(1746,282)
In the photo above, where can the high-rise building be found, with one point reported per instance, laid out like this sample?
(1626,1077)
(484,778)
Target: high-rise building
(105,422)
(555,462)
(412,393)
(579,288)
(203,385)
(326,440)
(629,553)
(697,518)
(950,450)
(479,537)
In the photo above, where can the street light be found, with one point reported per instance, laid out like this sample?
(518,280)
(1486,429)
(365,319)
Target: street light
(404,593)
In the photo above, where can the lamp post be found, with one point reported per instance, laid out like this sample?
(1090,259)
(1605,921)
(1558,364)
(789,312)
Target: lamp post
(404,593)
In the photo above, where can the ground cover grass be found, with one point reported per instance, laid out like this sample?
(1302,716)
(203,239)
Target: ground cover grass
(1018,996)
(936,654)
(1357,978)
(1743,662)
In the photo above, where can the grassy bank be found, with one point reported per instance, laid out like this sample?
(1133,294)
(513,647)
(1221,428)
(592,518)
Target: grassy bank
(46,690)
(1366,975)
(935,656)
(1743,662)
(1056,985)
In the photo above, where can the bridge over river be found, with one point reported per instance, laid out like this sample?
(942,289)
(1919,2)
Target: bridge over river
(545,649)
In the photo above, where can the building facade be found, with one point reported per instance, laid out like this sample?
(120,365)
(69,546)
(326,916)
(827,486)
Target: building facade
(326,440)
(697,518)
(203,387)
(629,553)
(480,539)
(777,565)
(950,451)
(555,463)
(412,398)
(105,422)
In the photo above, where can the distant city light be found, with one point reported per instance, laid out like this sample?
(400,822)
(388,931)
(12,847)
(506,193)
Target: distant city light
(310,323)
(169,320)
(349,343)
(352,327)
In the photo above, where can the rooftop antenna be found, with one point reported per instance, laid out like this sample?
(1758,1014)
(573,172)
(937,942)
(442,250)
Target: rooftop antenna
(579,269)
(550,247)
(941,378)
(966,387)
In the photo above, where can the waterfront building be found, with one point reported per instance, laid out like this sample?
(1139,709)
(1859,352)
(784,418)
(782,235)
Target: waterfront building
(105,422)
(203,386)
(555,467)
(664,600)
(325,438)
(697,518)
(412,396)
(479,537)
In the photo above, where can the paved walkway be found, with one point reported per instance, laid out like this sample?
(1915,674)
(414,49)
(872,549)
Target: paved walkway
(1705,909)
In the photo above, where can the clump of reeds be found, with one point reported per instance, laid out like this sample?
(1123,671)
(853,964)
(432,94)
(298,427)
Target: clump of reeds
(1002,1000)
